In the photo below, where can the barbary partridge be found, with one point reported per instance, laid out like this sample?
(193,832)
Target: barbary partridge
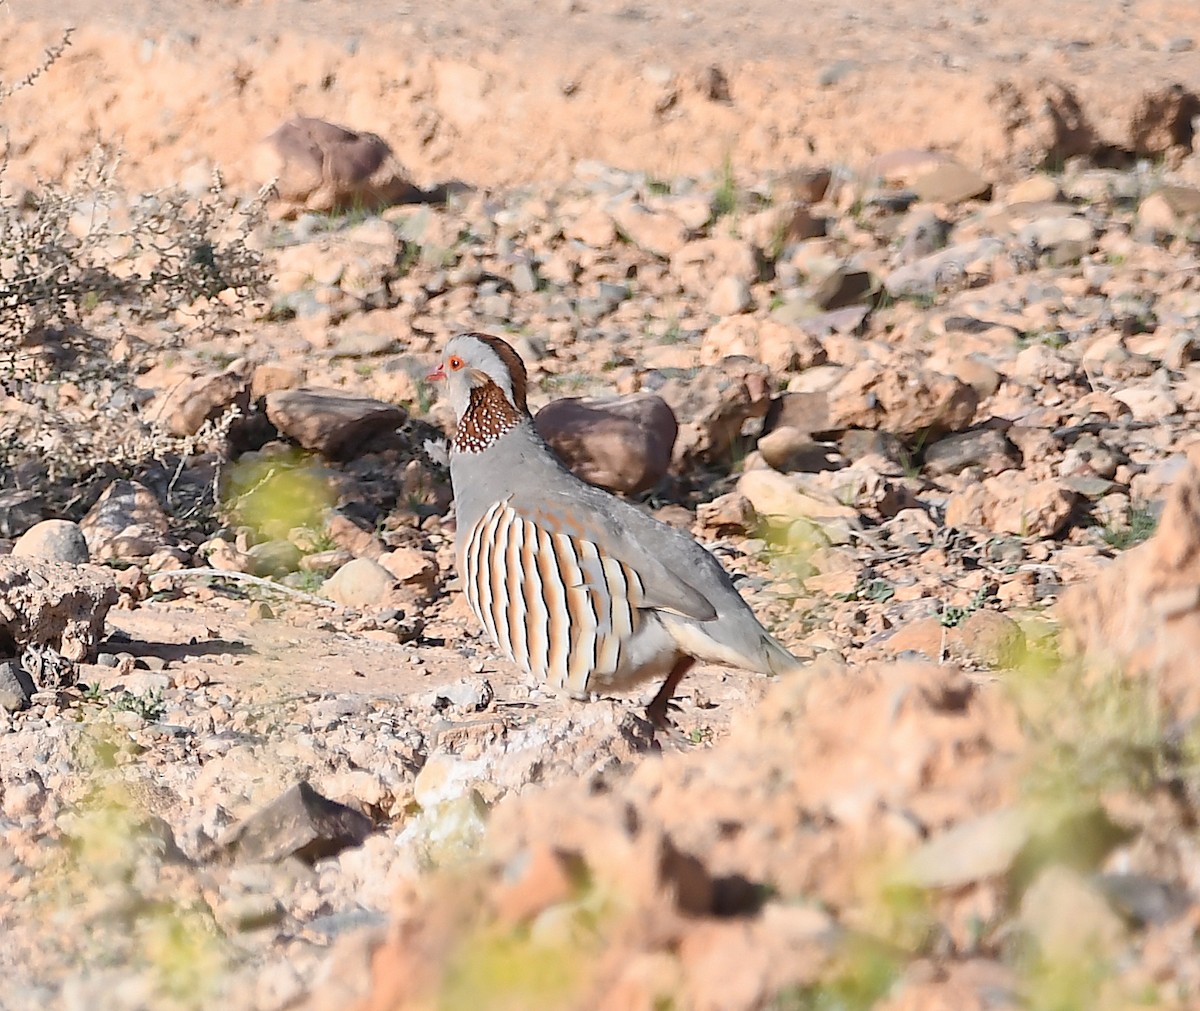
(581,589)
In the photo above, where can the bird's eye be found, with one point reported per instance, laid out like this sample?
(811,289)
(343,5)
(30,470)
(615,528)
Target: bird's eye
(455,362)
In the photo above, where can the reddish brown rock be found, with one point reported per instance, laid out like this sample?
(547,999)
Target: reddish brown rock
(330,422)
(412,568)
(539,877)
(623,444)
(319,166)
(807,412)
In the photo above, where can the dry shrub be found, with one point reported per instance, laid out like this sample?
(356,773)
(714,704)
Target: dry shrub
(85,275)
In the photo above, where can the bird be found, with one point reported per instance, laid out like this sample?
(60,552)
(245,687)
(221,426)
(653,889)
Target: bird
(583,590)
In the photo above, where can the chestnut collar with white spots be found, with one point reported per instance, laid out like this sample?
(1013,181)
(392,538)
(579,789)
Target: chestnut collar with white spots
(488,417)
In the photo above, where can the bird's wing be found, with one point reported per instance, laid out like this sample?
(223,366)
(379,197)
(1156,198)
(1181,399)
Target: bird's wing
(629,537)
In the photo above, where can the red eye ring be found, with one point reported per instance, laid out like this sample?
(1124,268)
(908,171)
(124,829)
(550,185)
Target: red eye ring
(455,363)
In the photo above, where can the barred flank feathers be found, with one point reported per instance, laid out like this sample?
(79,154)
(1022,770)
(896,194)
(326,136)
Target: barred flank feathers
(555,604)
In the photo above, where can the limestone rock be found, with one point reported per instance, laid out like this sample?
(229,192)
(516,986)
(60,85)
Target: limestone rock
(716,403)
(54,541)
(791,449)
(973,850)
(774,228)
(730,513)
(779,496)
(655,231)
(184,408)
(623,444)
(903,401)
(781,348)
(950,183)
(359,583)
(1148,403)
(1173,210)
(1143,612)
(54,604)
(1036,189)
(701,264)
(592,227)
(730,295)
(330,422)
(221,554)
(325,562)
(1012,503)
(1068,916)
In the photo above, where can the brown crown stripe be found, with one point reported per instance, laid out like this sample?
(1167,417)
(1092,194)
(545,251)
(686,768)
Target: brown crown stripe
(516,368)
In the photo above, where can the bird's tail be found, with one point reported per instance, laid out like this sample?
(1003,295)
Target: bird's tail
(779,657)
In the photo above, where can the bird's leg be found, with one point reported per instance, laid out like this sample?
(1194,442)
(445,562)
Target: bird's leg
(656,712)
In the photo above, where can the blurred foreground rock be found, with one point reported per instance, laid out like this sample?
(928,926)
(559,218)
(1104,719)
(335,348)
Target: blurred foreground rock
(1142,615)
(716,911)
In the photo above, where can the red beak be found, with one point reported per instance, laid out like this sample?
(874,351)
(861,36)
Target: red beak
(436,374)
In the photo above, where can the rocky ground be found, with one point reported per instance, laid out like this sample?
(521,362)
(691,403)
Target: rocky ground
(935,413)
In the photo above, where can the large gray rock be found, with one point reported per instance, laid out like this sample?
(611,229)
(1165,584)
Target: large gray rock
(16,686)
(330,422)
(925,277)
(54,604)
(299,823)
(20,510)
(984,448)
